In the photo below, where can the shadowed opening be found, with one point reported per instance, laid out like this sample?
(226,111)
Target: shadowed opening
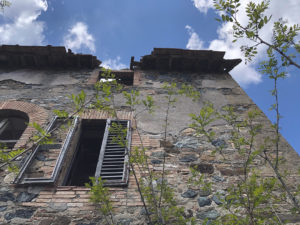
(12,125)
(87,153)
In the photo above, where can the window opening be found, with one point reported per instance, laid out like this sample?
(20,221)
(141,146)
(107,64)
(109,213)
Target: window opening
(97,154)
(88,149)
(106,80)
(12,125)
(122,76)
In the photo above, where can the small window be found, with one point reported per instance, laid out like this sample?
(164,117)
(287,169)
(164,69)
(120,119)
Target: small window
(122,76)
(12,125)
(98,154)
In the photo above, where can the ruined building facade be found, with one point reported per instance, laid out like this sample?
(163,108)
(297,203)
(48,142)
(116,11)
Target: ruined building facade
(49,187)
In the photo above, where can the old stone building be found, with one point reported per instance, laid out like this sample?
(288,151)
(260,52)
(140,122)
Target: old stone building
(49,187)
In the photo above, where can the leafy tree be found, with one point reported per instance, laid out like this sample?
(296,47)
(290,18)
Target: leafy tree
(4,3)
(284,36)
(247,196)
(100,195)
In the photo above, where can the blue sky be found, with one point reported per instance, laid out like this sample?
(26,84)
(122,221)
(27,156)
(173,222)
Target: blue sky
(115,30)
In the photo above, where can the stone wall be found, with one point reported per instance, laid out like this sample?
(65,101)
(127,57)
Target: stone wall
(54,204)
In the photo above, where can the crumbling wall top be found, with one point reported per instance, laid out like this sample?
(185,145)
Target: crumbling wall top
(171,59)
(16,56)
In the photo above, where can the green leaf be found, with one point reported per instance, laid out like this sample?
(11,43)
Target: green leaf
(223,18)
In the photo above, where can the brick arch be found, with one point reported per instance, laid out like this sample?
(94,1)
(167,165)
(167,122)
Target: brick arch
(35,113)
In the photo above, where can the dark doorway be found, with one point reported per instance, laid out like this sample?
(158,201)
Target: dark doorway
(87,152)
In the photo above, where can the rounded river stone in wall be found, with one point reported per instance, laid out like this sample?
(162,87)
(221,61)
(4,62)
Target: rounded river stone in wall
(188,158)
(218,178)
(217,199)
(219,143)
(211,214)
(156,161)
(21,213)
(25,197)
(3,208)
(204,192)
(204,201)
(189,194)
(6,196)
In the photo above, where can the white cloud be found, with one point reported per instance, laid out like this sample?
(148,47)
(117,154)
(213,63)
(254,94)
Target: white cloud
(194,42)
(78,37)
(113,64)
(20,23)
(243,73)
(246,74)
(203,5)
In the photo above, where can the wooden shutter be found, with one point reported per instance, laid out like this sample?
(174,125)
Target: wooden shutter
(113,159)
(32,170)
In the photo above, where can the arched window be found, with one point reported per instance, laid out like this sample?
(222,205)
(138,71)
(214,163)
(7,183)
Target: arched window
(12,125)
